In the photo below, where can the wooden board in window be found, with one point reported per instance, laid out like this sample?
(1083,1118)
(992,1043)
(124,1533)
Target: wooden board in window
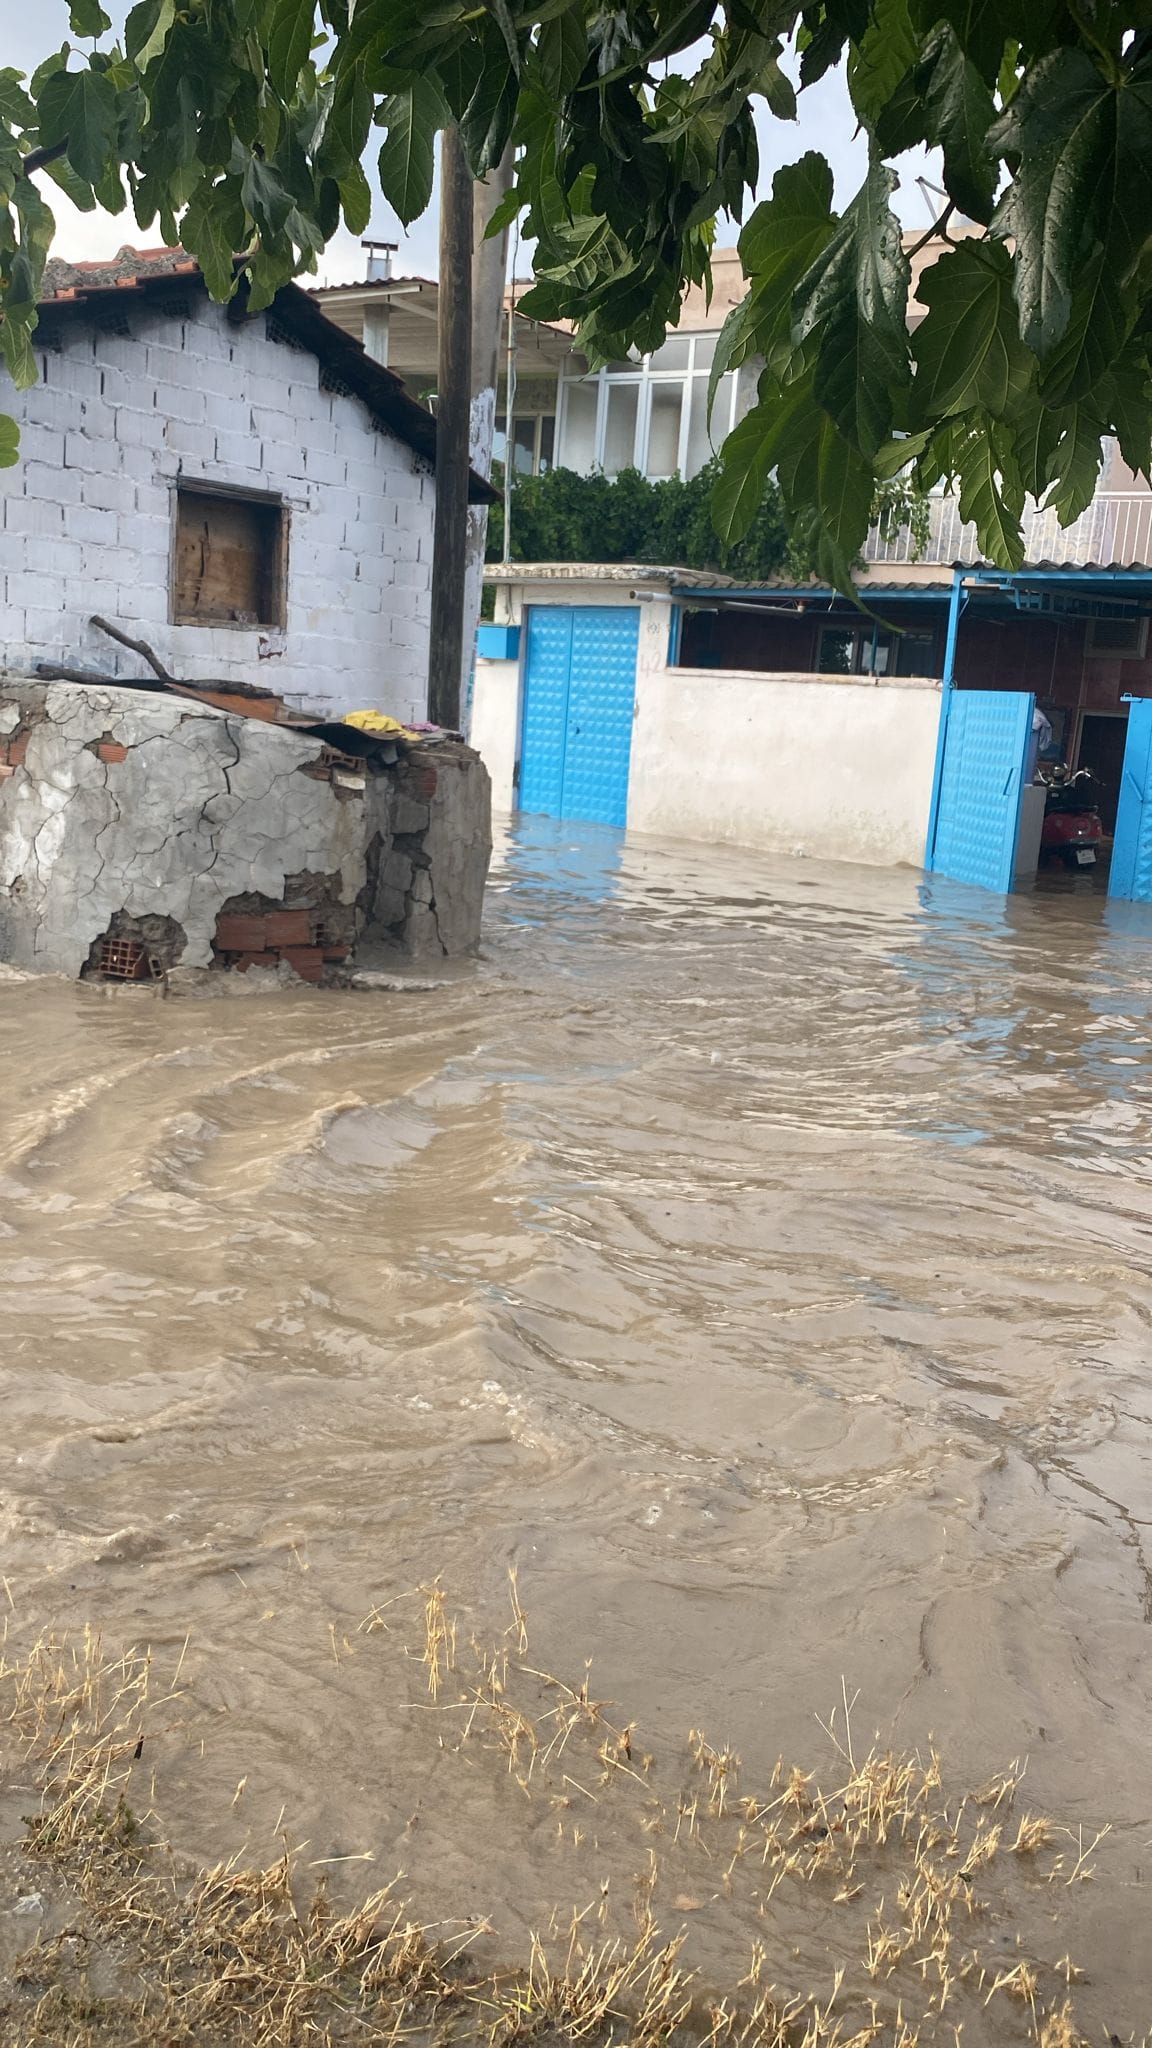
(228,560)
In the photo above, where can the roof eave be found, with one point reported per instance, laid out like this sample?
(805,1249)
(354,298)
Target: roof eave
(345,359)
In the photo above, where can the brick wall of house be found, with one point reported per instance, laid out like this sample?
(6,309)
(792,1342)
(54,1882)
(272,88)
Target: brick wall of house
(86,517)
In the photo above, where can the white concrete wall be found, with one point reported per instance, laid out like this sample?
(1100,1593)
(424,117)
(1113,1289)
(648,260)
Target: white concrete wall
(494,728)
(837,770)
(87,513)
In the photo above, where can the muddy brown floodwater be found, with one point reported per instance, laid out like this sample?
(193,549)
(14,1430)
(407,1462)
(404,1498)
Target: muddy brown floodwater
(755,1254)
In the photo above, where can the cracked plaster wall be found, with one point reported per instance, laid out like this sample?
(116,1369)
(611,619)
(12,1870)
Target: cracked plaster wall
(205,807)
(116,420)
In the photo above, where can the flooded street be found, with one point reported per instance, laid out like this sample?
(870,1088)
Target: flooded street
(753,1254)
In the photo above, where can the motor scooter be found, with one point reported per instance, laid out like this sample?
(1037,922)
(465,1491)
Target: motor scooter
(1072,832)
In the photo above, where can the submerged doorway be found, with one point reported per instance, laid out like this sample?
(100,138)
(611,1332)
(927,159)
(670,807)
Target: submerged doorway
(1103,738)
(579,697)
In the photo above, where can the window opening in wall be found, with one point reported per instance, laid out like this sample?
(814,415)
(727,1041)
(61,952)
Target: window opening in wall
(228,564)
(855,651)
(1123,637)
(871,650)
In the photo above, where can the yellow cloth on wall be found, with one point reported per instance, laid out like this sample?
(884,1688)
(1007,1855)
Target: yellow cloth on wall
(376,721)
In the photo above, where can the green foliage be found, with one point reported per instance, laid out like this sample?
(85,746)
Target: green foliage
(563,517)
(241,124)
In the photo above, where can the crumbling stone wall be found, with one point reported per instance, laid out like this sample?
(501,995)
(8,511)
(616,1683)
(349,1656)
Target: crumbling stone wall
(150,818)
(427,890)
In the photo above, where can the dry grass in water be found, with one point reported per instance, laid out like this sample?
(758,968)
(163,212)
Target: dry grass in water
(896,1902)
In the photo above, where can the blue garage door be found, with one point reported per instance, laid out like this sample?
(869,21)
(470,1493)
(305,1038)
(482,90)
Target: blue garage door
(579,693)
(984,744)
(1131,871)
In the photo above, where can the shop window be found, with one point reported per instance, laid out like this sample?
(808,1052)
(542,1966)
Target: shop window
(228,566)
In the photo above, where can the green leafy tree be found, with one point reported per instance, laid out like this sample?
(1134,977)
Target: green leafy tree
(241,124)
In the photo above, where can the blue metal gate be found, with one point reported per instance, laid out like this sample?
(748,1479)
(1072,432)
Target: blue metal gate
(579,694)
(980,765)
(1131,872)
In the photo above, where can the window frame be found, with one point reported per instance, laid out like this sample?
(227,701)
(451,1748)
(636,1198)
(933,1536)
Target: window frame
(539,420)
(207,487)
(647,378)
(869,636)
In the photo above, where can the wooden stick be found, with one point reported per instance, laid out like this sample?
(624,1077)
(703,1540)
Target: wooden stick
(137,647)
(166,676)
(57,672)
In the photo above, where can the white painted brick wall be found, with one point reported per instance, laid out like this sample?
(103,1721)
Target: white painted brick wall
(86,516)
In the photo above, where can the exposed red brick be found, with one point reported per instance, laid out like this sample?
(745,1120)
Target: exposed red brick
(5,771)
(112,752)
(124,960)
(238,934)
(16,750)
(288,928)
(422,779)
(307,961)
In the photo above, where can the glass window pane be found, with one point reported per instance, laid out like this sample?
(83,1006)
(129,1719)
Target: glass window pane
(499,444)
(673,355)
(524,446)
(578,449)
(620,431)
(916,654)
(547,441)
(837,650)
(874,656)
(746,394)
(664,430)
(705,350)
(700,442)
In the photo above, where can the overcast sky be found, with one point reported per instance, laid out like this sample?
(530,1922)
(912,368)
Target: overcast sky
(826,123)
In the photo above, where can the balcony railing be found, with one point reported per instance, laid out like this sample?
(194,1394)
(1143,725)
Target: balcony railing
(1117,527)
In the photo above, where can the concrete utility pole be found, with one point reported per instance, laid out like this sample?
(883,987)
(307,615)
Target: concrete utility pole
(489,269)
(453,393)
